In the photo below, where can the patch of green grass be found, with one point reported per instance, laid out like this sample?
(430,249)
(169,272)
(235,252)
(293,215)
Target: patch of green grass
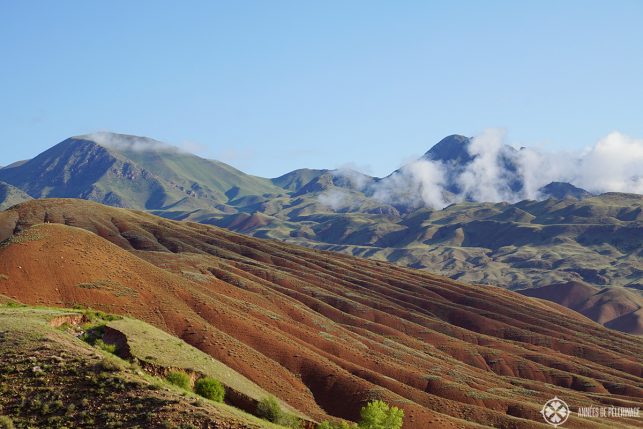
(29,234)
(109,348)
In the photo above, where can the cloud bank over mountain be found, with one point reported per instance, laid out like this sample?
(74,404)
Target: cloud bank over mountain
(485,168)
(124,142)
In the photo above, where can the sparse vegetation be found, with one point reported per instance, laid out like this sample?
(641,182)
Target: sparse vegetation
(101,391)
(116,288)
(209,388)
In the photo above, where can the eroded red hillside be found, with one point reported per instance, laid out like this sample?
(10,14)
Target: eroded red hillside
(325,332)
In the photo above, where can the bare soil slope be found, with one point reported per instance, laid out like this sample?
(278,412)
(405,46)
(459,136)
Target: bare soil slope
(322,331)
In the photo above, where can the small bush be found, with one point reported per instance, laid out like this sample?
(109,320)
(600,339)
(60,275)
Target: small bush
(109,364)
(269,409)
(179,378)
(6,423)
(12,304)
(290,421)
(109,348)
(210,388)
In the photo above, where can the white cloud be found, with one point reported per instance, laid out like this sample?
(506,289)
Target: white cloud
(613,164)
(127,142)
(336,199)
(484,179)
(419,183)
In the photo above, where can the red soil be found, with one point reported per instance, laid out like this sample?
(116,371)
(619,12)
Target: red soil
(324,332)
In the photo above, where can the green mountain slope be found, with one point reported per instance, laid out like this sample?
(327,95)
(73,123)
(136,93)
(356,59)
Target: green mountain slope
(295,180)
(133,172)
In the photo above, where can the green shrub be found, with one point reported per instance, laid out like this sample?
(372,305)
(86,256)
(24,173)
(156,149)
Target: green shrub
(210,388)
(109,348)
(12,304)
(179,378)
(6,423)
(290,421)
(378,415)
(269,409)
(110,365)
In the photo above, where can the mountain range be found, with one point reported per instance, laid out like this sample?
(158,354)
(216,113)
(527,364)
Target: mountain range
(566,235)
(142,173)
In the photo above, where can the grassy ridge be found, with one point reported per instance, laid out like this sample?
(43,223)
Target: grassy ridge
(50,378)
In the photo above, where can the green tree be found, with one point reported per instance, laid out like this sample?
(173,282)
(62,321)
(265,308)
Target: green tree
(209,388)
(379,415)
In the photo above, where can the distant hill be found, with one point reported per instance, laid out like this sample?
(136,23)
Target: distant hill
(562,190)
(133,172)
(527,244)
(616,308)
(10,195)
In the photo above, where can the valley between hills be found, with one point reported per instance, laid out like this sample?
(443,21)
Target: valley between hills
(323,332)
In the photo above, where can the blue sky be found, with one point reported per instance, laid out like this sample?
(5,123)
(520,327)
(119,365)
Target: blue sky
(269,86)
